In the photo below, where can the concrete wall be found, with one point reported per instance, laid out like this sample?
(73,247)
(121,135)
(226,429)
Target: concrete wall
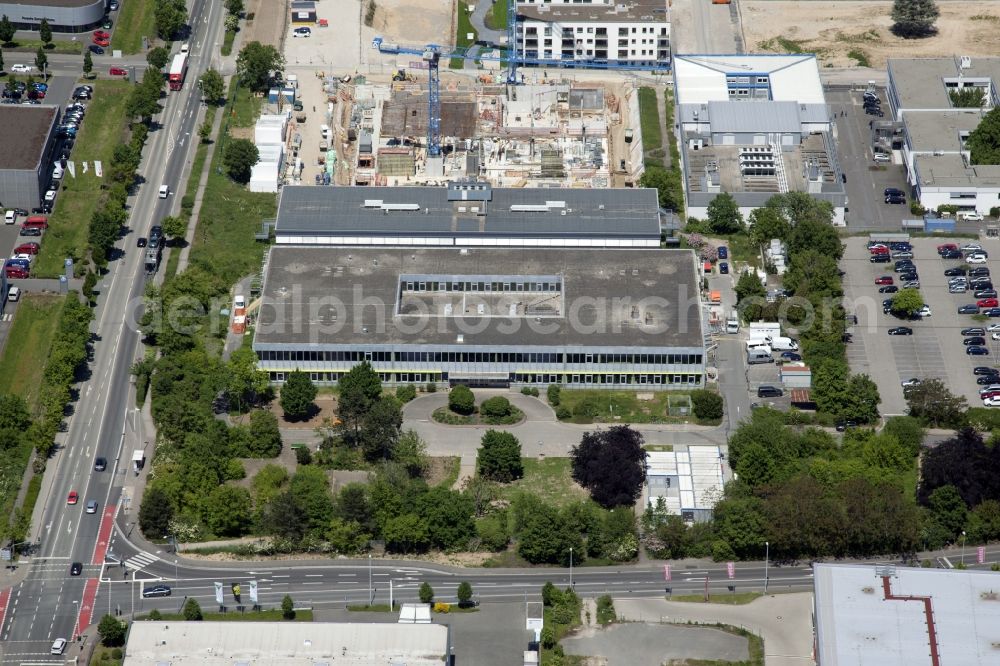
(61,19)
(22,188)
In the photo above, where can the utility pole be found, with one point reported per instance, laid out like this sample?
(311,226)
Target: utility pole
(767,555)
(571,567)
(371,596)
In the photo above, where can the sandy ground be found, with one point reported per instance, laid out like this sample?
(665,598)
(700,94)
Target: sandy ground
(416,22)
(268,26)
(832,29)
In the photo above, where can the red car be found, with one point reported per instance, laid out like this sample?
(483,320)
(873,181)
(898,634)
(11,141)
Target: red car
(946,247)
(27,248)
(884,280)
(15,273)
(878,249)
(73,497)
(987,302)
(102,42)
(101,34)
(117,71)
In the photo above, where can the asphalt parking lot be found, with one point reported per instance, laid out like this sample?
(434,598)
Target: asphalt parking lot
(865,180)
(935,349)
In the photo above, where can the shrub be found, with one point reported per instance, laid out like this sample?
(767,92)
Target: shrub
(461,400)
(431,387)
(496,407)
(302,455)
(722,551)
(155,615)
(192,611)
(288,608)
(117,652)
(441,607)
(552,393)
(563,414)
(587,408)
(529,390)
(426,593)
(707,405)
(406,393)
(995,211)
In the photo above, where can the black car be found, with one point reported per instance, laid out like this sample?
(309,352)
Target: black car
(975,340)
(981,286)
(899,245)
(156,591)
(30,231)
(96,50)
(975,330)
(844,424)
(769,392)
(979,271)
(879,259)
(971,308)
(75,569)
(992,312)
(81,94)
(100,464)
(951,254)
(908,277)
(140,241)
(154,242)
(889,289)
(895,199)
(985,370)
(723,268)
(977,351)
(156,231)
(987,380)
(887,302)
(874,111)
(957,270)
(901,330)
(890,191)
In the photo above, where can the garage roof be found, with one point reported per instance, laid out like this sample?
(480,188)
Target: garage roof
(24,133)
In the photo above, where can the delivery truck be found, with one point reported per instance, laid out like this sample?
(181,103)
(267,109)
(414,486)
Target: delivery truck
(138,460)
(780,343)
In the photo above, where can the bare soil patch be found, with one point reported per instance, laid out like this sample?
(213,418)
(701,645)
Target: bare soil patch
(327,408)
(853,32)
(416,21)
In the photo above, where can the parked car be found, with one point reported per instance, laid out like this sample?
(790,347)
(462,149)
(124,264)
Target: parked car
(96,50)
(946,247)
(985,370)
(911,284)
(302,32)
(890,289)
(976,340)
(844,424)
(977,258)
(118,71)
(879,258)
(912,381)
(892,191)
(30,231)
(988,379)
(977,351)
(21,69)
(951,254)
(971,247)
(884,280)
(723,252)
(988,303)
(968,309)
(902,254)
(901,330)
(791,356)
(992,312)
(140,241)
(895,198)
(957,270)
(15,273)
(723,268)
(769,392)
(975,330)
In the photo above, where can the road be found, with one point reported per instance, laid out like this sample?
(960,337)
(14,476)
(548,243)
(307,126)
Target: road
(49,603)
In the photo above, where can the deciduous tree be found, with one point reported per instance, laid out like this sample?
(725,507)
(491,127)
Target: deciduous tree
(500,457)
(255,63)
(213,87)
(7,30)
(158,57)
(240,157)
(88,62)
(724,215)
(969,97)
(228,511)
(707,405)
(169,16)
(45,33)
(461,400)
(359,389)
(380,429)
(907,302)
(611,464)
(464,592)
(984,141)
(155,513)
(297,396)
(932,402)
(112,631)
(192,610)
(426,593)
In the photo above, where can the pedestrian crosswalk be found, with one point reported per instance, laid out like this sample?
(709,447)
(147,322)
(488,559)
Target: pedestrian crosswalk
(8,316)
(140,561)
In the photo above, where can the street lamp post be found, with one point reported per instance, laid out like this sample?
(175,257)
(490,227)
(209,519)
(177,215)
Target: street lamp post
(175,571)
(370,595)
(571,567)
(767,556)
(963,548)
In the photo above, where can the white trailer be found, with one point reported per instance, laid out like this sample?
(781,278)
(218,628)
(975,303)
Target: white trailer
(138,460)
(771,328)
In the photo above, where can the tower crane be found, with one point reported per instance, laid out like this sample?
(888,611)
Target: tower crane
(432,54)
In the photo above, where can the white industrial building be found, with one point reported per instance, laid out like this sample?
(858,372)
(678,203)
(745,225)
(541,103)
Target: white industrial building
(884,615)
(755,126)
(689,481)
(934,131)
(285,643)
(269,135)
(632,31)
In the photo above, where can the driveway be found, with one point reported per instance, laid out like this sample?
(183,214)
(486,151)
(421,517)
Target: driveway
(782,620)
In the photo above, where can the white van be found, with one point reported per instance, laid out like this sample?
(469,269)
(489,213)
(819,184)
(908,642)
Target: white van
(755,356)
(784,344)
(324,131)
(758,343)
(164,191)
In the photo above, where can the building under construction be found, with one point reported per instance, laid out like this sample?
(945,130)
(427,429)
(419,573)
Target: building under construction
(561,134)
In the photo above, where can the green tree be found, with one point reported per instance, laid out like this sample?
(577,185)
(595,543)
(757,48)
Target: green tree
(864,399)
(545,537)
(496,407)
(265,435)
(914,18)
(359,389)
(464,592)
(228,510)
(814,231)
(500,457)
(749,285)
(741,523)
(461,400)
(984,522)
(310,489)
(830,390)
(111,631)
(907,302)
(7,30)
(173,227)
(155,513)
(247,384)
(426,593)
(406,533)
(346,537)
(239,158)
(411,452)
(553,394)
(88,62)
(213,87)
(45,33)
(287,607)
(42,62)
(935,405)
(169,16)
(380,429)
(158,57)
(406,393)
(767,223)
(907,430)
(192,610)
(283,517)
(724,215)
(297,396)
(984,141)
(448,516)
(948,509)
(268,483)
(812,273)
(205,131)
(234,7)
(969,97)
(611,464)
(707,405)
(667,184)
(255,63)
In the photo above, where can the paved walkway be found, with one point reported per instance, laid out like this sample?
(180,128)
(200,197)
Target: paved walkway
(782,620)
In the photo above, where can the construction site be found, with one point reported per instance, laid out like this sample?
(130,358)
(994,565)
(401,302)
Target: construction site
(551,133)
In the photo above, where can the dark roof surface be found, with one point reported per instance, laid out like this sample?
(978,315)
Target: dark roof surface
(24,130)
(318,296)
(342,211)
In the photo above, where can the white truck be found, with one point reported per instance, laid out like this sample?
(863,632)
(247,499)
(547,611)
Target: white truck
(733,324)
(761,345)
(771,328)
(138,460)
(780,343)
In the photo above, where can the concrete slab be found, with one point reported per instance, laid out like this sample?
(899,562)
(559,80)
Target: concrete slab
(641,644)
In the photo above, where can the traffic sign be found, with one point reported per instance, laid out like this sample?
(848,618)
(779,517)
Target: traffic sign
(731,569)
(666,572)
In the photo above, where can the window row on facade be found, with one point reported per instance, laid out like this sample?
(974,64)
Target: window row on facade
(564,379)
(480,357)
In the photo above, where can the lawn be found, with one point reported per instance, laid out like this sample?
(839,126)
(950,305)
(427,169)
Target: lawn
(496,17)
(200,155)
(135,20)
(731,598)
(462,31)
(649,122)
(227,42)
(29,47)
(621,406)
(102,130)
(551,479)
(28,344)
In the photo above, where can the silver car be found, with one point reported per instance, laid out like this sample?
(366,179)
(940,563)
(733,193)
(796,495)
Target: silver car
(92,506)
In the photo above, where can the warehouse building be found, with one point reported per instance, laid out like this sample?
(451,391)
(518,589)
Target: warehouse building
(636,32)
(285,643)
(934,130)
(27,133)
(499,317)
(468,213)
(62,15)
(755,126)
(884,615)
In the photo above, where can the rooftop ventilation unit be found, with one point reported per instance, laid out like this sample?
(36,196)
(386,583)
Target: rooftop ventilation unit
(373,203)
(392,206)
(528,208)
(965,62)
